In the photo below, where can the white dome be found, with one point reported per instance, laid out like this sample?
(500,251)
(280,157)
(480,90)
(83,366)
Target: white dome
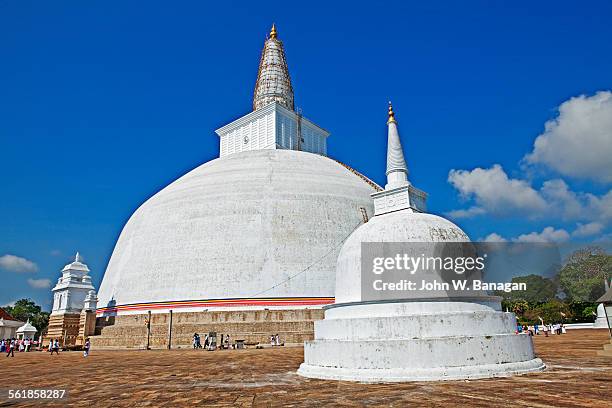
(27,328)
(399,226)
(236,227)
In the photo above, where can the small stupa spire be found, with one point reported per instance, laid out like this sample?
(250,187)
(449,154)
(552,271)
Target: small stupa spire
(273,31)
(397,171)
(391,114)
(77,257)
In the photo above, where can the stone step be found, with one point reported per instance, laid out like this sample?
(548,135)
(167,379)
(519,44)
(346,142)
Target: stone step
(453,351)
(416,326)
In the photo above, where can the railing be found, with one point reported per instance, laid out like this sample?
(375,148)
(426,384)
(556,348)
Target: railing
(361,176)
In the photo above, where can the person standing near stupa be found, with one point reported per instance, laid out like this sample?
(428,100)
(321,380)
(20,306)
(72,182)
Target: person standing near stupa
(11,348)
(86,348)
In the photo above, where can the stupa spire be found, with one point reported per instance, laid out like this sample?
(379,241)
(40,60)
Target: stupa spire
(273,31)
(273,80)
(397,171)
(77,257)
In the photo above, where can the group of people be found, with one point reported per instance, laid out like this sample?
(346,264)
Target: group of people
(54,346)
(9,346)
(535,329)
(275,340)
(209,342)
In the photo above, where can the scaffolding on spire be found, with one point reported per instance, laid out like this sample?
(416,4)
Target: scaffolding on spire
(273,80)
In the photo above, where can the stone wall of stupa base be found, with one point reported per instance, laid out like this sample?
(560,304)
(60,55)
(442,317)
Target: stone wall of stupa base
(64,328)
(253,326)
(87,326)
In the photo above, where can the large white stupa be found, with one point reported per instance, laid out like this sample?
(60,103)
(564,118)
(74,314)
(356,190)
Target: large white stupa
(433,335)
(259,227)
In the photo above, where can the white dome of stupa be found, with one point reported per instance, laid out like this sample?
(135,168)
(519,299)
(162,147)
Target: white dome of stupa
(261,226)
(237,229)
(391,227)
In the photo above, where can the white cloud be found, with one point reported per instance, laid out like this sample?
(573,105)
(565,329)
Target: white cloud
(578,142)
(15,263)
(40,283)
(494,192)
(55,252)
(494,237)
(561,201)
(469,213)
(586,230)
(600,207)
(11,303)
(548,234)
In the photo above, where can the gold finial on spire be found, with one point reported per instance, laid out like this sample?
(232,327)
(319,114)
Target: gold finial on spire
(391,114)
(273,31)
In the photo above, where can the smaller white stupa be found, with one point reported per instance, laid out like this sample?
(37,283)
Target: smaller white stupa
(72,288)
(27,331)
(601,322)
(421,336)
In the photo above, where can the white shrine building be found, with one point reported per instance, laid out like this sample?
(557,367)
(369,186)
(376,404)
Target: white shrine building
(72,287)
(69,298)
(27,331)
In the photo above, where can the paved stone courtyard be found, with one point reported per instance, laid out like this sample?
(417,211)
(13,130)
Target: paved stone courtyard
(576,377)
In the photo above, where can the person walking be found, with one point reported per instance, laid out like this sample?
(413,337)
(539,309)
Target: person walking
(11,348)
(55,347)
(86,348)
(545,329)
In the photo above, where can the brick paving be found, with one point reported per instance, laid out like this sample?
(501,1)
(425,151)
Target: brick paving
(576,377)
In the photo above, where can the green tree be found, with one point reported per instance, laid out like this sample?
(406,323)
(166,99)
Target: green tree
(26,309)
(589,312)
(539,289)
(519,307)
(552,311)
(583,275)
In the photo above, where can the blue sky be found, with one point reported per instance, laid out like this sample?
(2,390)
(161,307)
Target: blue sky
(104,103)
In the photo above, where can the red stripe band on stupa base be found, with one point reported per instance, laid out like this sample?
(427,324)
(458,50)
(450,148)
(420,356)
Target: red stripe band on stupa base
(319,301)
